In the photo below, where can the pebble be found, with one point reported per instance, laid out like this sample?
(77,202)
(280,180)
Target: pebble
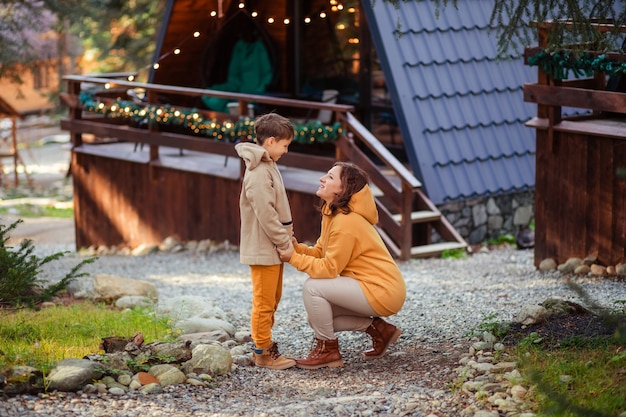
(446,298)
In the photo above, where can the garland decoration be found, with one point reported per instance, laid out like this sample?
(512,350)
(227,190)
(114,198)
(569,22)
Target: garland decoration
(559,64)
(192,120)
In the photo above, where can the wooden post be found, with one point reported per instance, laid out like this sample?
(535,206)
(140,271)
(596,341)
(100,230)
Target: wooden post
(75,113)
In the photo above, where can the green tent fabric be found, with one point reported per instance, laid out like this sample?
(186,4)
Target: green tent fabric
(249,72)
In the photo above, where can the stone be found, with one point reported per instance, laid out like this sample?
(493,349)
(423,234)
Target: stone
(168,244)
(110,287)
(556,306)
(502,367)
(518,391)
(124,379)
(522,215)
(596,269)
(183,307)
(144,249)
(117,391)
(151,389)
(582,269)
(209,359)
(145,378)
(531,314)
(167,374)
(72,374)
(570,265)
(547,264)
(486,413)
(203,325)
(205,337)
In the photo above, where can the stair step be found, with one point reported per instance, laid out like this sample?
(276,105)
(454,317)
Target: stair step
(435,249)
(422,216)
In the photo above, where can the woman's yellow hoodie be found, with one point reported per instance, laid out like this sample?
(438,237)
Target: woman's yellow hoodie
(349,245)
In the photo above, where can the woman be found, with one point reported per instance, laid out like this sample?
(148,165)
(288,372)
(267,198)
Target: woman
(353,280)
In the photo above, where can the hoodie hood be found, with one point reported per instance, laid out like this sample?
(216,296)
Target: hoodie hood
(252,154)
(363,204)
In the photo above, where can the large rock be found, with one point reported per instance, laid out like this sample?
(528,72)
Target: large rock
(22,380)
(72,374)
(531,314)
(184,307)
(110,288)
(204,325)
(210,359)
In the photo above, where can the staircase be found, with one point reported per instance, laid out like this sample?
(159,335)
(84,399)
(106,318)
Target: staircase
(408,220)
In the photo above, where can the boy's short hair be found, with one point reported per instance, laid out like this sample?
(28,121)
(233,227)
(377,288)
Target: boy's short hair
(272,124)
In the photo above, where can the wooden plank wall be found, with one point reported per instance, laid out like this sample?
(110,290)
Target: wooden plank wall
(128,203)
(580,203)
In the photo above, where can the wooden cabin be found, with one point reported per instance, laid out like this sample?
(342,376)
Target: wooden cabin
(150,161)
(580,198)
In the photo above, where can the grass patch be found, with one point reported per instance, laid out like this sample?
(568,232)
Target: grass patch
(579,378)
(42,338)
(454,254)
(33,210)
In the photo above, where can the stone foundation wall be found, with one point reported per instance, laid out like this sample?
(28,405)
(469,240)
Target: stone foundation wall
(484,218)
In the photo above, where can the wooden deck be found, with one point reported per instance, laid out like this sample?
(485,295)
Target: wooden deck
(202,187)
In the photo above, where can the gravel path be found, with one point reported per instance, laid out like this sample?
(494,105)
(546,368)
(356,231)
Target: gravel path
(446,299)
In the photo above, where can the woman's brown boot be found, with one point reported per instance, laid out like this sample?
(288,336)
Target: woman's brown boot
(325,353)
(383,335)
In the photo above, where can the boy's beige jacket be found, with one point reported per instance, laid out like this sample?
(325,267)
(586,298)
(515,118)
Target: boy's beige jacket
(264,208)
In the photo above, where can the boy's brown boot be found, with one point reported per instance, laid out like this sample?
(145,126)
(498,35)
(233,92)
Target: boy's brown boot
(383,335)
(271,358)
(325,353)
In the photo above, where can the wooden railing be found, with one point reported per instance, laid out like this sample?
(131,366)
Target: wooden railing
(551,94)
(406,215)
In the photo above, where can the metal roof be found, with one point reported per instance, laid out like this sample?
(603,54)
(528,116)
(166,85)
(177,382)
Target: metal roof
(460,109)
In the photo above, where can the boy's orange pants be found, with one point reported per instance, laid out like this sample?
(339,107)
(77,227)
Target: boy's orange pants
(267,288)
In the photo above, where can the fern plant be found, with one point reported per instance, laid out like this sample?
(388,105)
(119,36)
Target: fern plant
(20,268)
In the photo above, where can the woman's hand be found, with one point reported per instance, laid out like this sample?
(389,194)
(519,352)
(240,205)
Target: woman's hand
(285,255)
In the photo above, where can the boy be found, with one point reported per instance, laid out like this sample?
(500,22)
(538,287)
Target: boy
(266,224)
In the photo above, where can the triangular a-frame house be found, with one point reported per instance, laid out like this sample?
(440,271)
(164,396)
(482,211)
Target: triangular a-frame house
(458,106)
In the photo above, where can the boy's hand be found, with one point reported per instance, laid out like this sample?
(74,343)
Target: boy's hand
(285,255)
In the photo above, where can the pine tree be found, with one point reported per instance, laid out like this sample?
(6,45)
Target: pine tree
(19,272)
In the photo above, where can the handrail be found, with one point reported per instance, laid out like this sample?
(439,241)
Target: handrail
(354,126)
(188,91)
(575,97)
